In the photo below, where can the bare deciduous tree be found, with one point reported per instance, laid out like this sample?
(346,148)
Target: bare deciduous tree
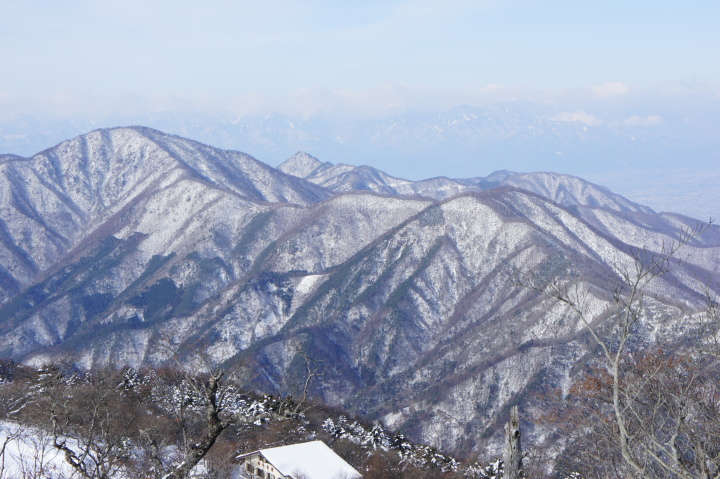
(90,417)
(297,388)
(658,411)
(513,451)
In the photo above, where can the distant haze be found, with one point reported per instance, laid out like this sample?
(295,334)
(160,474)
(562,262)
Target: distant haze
(260,51)
(669,165)
(595,89)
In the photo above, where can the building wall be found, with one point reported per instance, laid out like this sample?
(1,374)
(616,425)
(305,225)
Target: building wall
(261,468)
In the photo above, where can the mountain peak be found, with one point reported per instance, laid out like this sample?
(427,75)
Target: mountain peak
(301,164)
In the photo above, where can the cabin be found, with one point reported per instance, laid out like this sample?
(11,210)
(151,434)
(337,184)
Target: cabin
(307,460)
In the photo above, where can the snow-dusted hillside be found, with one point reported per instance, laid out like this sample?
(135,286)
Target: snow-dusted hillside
(116,240)
(92,185)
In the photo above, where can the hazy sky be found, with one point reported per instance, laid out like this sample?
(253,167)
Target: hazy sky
(76,55)
(648,65)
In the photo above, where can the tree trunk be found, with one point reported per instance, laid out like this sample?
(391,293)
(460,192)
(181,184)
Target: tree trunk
(513,452)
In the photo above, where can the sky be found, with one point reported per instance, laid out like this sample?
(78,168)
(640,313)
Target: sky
(611,63)
(77,55)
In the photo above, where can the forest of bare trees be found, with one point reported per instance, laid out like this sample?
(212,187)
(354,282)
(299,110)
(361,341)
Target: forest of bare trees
(168,424)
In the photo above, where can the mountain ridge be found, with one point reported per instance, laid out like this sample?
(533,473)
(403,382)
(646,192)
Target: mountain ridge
(566,189)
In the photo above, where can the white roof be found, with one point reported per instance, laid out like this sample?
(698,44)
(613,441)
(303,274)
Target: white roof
(312,460)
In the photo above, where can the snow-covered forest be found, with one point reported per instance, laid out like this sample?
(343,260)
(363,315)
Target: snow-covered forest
(61,423)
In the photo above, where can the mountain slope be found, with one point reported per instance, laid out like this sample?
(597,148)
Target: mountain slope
(569,190)
(52,202)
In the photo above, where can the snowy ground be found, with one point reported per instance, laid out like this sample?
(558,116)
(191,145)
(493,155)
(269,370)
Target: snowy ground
(28,454)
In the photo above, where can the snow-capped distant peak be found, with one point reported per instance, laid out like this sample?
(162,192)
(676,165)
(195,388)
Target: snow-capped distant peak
(300,164)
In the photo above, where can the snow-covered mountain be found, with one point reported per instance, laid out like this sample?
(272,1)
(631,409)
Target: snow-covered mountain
(51,203)
(121,243)
(564,189)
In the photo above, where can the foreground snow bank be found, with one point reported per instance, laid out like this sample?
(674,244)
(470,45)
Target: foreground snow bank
(28,454)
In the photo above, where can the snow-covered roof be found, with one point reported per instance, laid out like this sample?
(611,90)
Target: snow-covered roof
(313,460)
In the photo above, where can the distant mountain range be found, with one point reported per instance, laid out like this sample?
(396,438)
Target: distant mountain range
(122,244)
(518,135)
